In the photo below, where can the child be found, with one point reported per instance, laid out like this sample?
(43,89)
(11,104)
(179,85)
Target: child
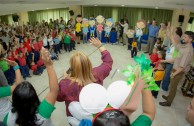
(154,57)
(21,48)
(158,77)
(134,48)
(23,65)
(9,56)
(72,43)
(57,44)
(35,50)
(67,40)
(40,43)
(158,44)
(54,56)
(36,70)
(8,72)
(161,56)
(50,41)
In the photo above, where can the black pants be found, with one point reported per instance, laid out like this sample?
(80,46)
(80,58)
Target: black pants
(133,52)
(67,47)
(155,93)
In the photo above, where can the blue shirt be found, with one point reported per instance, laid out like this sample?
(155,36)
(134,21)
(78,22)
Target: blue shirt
(56,40)
(153,30)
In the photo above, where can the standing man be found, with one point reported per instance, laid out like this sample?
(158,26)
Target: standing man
(181,64)
(153,31)
(125,28)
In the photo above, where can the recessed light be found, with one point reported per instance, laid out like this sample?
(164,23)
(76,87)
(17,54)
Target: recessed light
(32,10)
(156,7)
(47,8)
(122,5)
(95,5)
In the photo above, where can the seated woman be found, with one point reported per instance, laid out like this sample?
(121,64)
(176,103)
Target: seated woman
(27,110)
(82,73)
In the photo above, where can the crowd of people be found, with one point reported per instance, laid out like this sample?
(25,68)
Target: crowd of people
(33,47)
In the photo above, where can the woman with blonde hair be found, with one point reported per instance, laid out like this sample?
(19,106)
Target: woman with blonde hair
(82,73)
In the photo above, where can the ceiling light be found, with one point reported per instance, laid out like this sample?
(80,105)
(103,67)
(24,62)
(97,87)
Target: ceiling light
(95,5)
(47,8)
(32,10)
(156,7)
(122,5)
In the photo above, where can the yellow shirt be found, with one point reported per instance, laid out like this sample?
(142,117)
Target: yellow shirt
(162,34)
(78,27)
(159,74)
(134,44)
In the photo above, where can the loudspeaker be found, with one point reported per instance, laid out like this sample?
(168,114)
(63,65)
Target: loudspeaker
(71,12)
(190,20)
(15,18)
(181,18)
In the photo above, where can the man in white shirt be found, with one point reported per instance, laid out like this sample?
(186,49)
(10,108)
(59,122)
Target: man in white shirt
(125,26)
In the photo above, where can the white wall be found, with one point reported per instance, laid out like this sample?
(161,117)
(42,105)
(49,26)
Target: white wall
(175,18)
(23,18)
(76,9)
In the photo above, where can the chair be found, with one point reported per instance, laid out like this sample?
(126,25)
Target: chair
(188,83)
(113,37)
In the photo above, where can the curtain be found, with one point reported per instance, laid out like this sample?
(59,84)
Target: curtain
(47,14)
(190,27)
(158,14)
(132,14)
(106,12)
(4,19)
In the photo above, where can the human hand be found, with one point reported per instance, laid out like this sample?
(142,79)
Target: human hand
(95,42)
(11,63)
(45,55)
(65,75)
(172,75)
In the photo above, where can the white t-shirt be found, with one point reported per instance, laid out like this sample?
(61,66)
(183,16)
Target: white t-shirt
(169,52)
(125,26)
(5,107)
(50,40)
(45,43)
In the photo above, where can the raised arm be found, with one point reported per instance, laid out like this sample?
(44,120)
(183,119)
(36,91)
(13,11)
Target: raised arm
(17,73)
(53,83)
(103,70)
(148,104)
(171,35)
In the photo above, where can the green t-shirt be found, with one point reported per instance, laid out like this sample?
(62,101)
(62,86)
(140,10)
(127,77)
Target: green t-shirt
(67,39)
(5,91)
(142,120)
(4,66)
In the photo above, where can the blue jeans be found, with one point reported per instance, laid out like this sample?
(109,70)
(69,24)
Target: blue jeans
(85,38)
(24,71)
(139,42)
(166,79)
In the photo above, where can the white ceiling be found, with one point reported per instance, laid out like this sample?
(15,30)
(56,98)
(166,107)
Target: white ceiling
(14,6)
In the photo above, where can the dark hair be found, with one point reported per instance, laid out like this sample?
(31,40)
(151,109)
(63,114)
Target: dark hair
(112,118)
(190,34)
(179,31)
(163,53)
(25,103)
(163,65)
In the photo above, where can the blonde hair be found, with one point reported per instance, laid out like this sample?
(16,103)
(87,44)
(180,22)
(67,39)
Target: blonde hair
(81,69)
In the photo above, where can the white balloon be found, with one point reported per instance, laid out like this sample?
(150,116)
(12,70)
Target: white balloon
(117,93)
(93,98)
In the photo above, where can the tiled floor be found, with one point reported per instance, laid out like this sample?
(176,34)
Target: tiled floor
(165,116)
